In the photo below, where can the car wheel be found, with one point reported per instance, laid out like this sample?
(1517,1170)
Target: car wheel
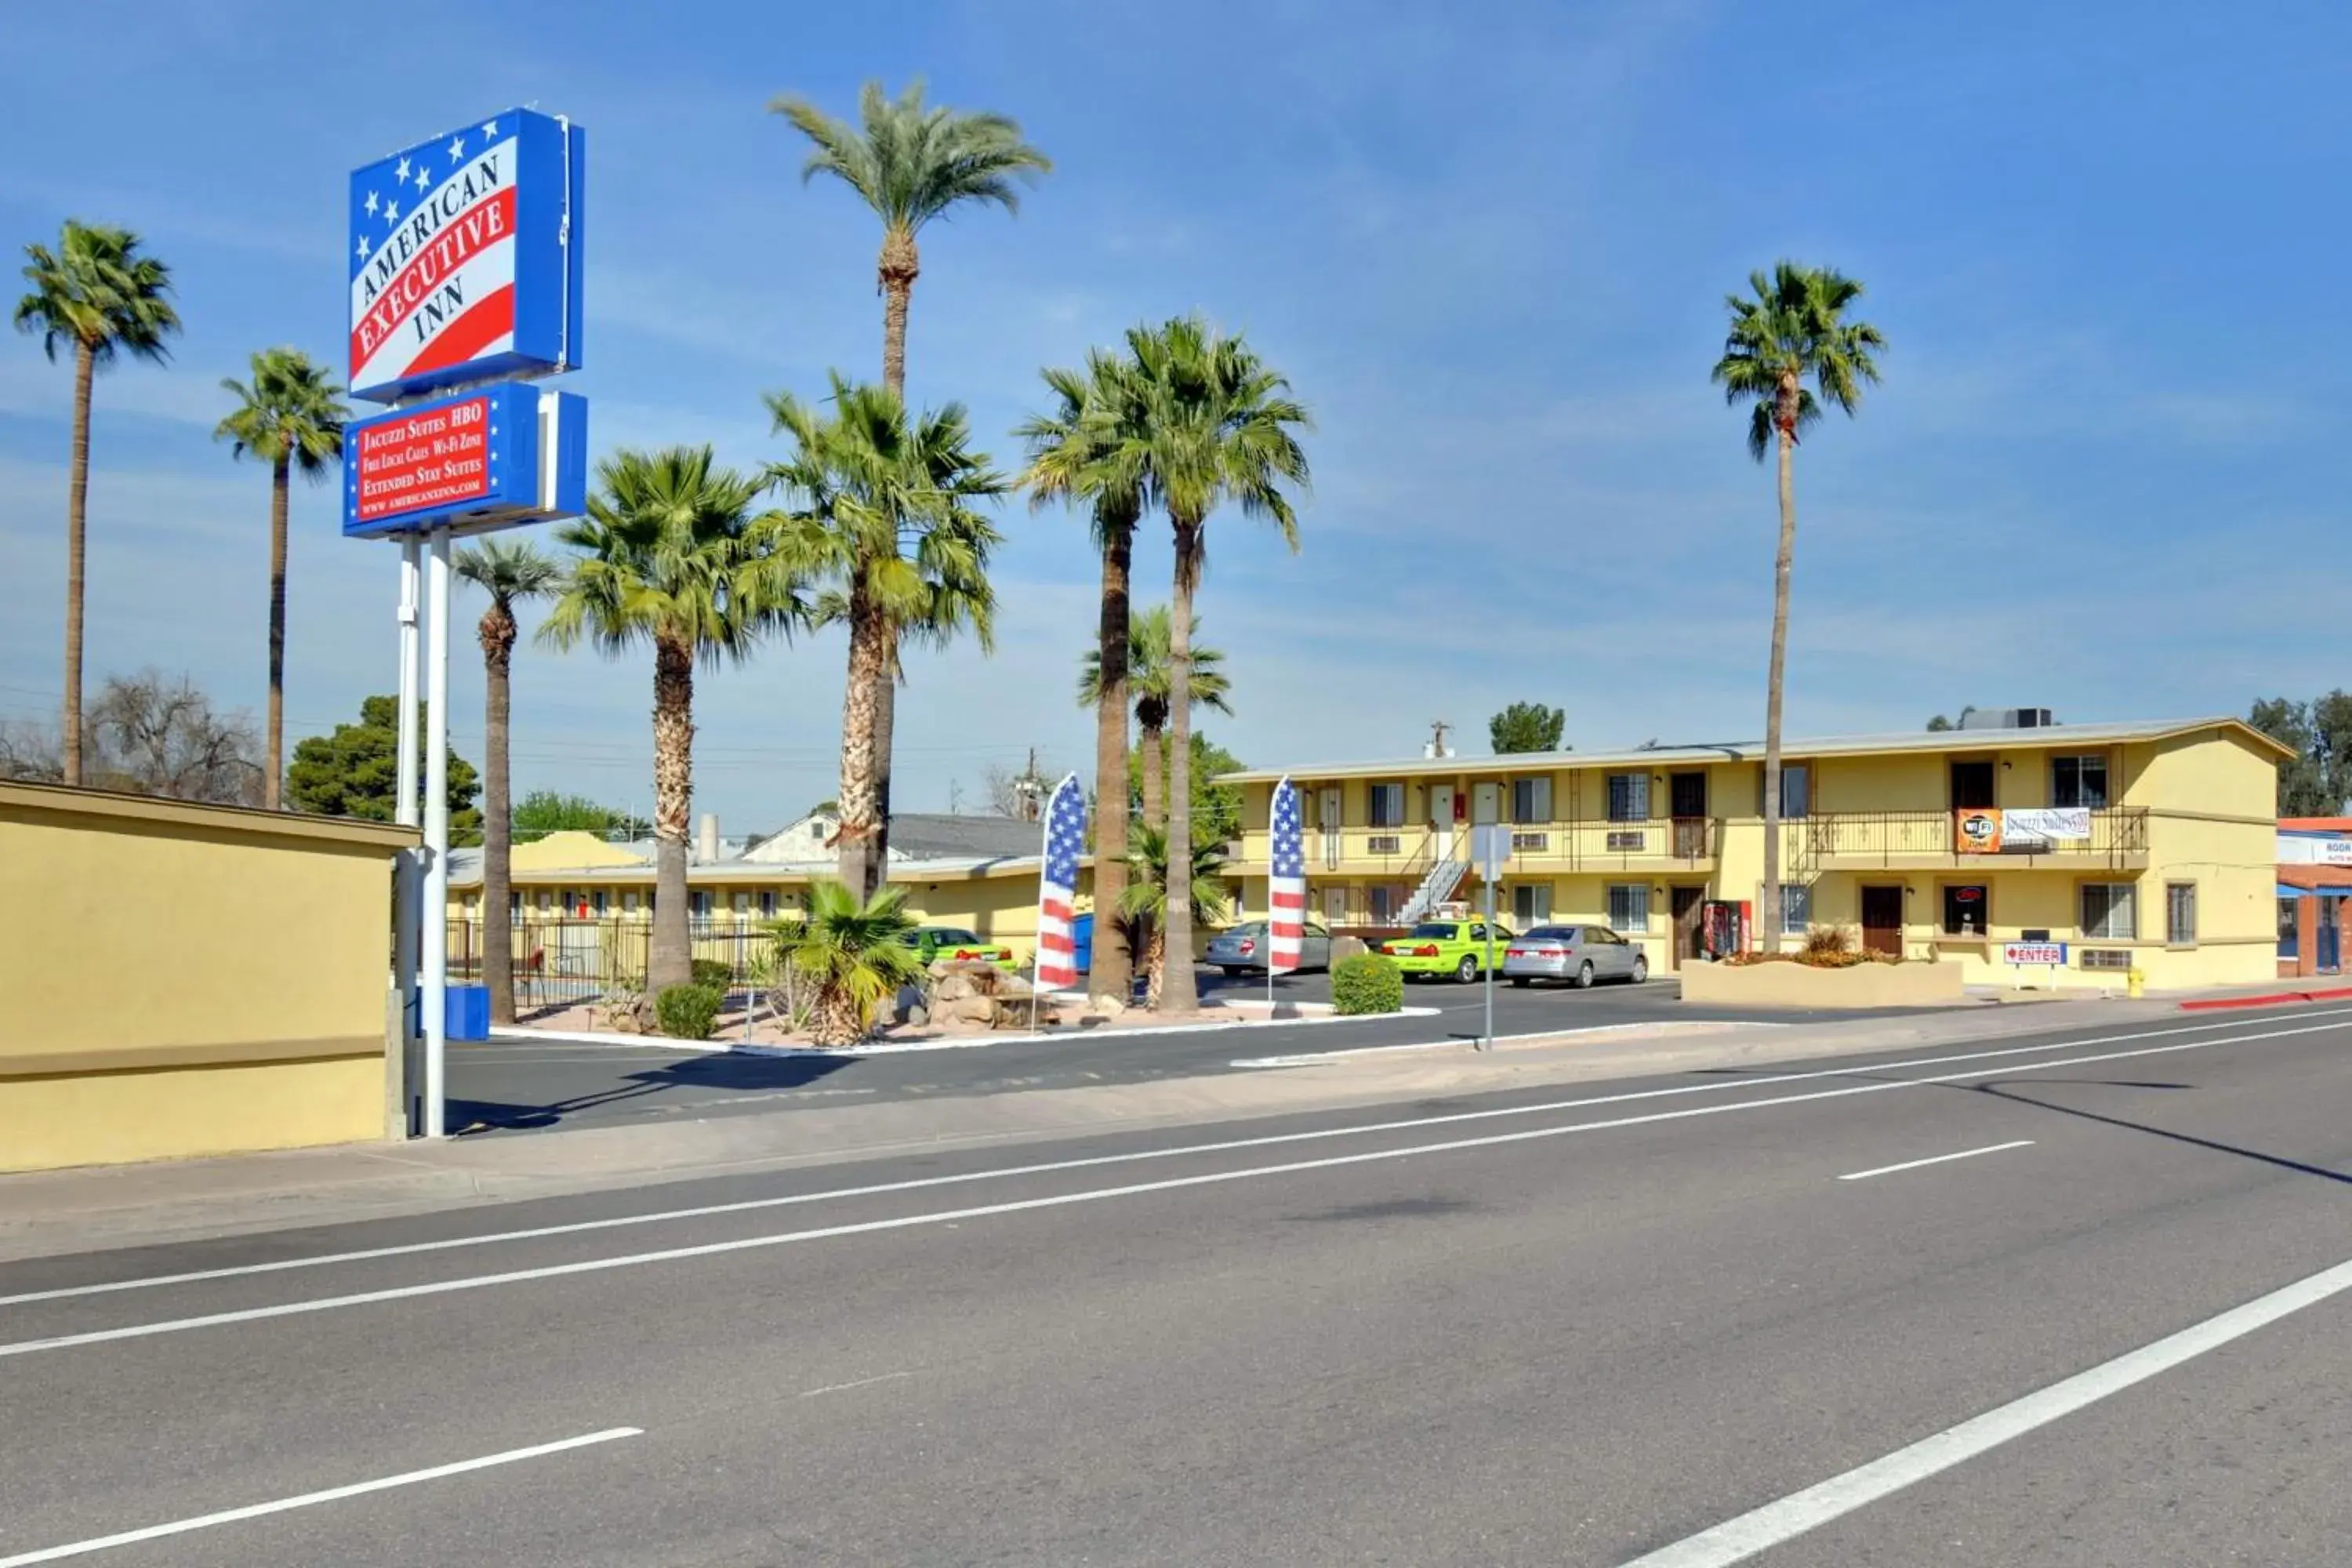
(1641,969)
(1468,970)
(1521,982)
(1584,975)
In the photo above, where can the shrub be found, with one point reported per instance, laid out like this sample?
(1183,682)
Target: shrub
(1367,982)
(715,973)
(688,1012)
(1827,942)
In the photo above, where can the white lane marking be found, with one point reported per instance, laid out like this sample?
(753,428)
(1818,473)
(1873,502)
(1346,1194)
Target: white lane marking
(745,1205)
(1736,1539)
(1303,1058)
(1935,1160)
(1058,1200)
(310,1499)
(844,1387)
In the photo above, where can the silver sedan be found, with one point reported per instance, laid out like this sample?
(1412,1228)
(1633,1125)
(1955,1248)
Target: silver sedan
(1577,954)
(1243,948)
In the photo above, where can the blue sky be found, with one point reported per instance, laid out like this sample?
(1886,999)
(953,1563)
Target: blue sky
(1488,243)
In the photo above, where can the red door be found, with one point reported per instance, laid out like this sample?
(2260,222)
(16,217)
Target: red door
(1882,921)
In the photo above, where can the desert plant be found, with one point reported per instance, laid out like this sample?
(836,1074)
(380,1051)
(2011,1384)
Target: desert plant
(1827,942)
(854,951)
(1367,982)
(717,974)
(688,1012)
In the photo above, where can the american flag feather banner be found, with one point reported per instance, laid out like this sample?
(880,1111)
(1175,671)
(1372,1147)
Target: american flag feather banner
(1058,890)
(1287,887)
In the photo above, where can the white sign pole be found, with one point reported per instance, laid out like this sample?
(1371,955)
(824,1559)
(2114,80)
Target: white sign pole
(435,913)
(406,870)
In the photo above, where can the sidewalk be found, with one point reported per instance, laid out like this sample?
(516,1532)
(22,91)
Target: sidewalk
(47,1212)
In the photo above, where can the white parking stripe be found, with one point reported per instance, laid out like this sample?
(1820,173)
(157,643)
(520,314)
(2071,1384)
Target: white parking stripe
(1050,1167)
(1935,1160)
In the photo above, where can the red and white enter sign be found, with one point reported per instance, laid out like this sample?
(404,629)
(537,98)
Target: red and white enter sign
(432,458)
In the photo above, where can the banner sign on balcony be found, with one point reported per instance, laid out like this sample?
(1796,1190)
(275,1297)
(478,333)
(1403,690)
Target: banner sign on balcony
(463,256)
(1977,831)
(2044,826)
(2041,954)
(504,455)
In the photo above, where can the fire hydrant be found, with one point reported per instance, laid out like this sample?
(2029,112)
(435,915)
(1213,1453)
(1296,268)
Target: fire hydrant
(2135,982)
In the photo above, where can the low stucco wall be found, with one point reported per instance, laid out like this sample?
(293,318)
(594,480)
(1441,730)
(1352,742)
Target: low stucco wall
(180,980)
(1801,985)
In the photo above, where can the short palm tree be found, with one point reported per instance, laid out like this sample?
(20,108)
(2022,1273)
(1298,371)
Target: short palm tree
(667,556)
(291,416)
(1076,456)
(1145,902)
(510,574)
(99,294)
(1218,427)
(879,510)
(1146,663)
(856,954)
(1792,326)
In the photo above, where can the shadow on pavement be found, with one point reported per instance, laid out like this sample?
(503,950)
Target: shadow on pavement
(718,1071)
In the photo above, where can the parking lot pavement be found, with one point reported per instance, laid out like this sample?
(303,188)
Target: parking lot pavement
(511,1085)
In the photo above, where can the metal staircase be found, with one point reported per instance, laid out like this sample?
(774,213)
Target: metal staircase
(1444,877)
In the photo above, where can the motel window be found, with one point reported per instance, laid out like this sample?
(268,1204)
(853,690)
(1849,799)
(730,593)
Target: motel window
(1531,800)
(1531,903)
(2290,928)
(1796,907)
(2180,914)
(514,906)
(1629,801)
(1796,791)
(1629,905)
(1388,806)
(1382,901)
(2110,910)
(697,903)
(599,903)
(768,904)
(1965,908)
(2078,781)
(545,900)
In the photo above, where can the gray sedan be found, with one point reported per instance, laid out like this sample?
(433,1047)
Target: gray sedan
(1243,948)
(1578,954)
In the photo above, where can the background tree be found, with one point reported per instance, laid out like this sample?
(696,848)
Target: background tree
(546,811)
(1147,685)
(1083,452)
(855,952)
(1145,904)
(99,294)
(354,772)
(878,509)
(154,734)
(1794,327)
(668,557)
(1218,427)
(910,163)
(1527,726)
(2317,780)
(1216,809)
(289,417)
(1020,792)
(510,574)
(1939,724)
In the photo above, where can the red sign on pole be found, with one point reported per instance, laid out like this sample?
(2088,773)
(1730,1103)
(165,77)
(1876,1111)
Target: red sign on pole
(431,459)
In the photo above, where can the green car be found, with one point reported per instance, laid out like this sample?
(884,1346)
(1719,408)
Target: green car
(932,944)
(1458,948)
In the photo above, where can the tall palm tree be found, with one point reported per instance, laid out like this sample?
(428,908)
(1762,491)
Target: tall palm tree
(1076,455)
(98,293)
(1145,902)
(911,162)
(1790,327)
(510,574)
(1218,427)
(1146,663)
(669,557)
(291,417)
(878,509)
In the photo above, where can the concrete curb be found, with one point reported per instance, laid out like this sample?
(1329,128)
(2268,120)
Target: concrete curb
(2268,999)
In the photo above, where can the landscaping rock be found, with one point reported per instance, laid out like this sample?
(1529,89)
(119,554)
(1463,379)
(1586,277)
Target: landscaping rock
(917,1016)
(1107,1007)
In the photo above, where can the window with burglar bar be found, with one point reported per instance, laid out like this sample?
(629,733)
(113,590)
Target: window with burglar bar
(1628,906)
(2110,910)
(1629,797)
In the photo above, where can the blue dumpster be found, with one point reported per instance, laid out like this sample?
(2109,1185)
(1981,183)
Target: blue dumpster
(1082,934)
(466,1013)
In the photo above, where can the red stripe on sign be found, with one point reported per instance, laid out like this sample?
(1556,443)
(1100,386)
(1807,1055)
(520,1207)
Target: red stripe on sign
(1058,908)
(1283,901)
(470,334)
(459,241)
(1289,928)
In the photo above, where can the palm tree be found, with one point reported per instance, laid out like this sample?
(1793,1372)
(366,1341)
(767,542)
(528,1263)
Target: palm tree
(1794,327)
(1146,663)
(97,292)
(509,574)
(879,508)
(290,417)
(910,163)
(1218,427)
(669,557)
(1075,455)
(857,952)
(1145,902)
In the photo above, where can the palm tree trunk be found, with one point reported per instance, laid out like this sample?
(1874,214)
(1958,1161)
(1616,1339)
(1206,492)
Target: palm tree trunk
(279,477)
(885,725)
(859,801)
(1775,681)
(498,815)
(1155,964)
(1178,993)
(1153,744)
(899,266)
(670,960)
(77,515)
(1113,973)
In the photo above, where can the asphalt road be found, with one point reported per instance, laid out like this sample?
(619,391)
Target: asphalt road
(509,1086)
(1591,1325)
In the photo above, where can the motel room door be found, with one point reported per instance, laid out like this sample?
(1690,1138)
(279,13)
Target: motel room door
(1440,818)
(1882,921)
(1689,907)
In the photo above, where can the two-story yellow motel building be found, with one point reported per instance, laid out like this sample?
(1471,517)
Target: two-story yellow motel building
(2145,845)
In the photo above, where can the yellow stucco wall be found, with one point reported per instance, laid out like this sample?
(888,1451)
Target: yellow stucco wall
(179,979)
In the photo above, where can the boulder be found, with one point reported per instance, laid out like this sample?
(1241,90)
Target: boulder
(917,1016)
(1107,1006)
(955,986)
(981,1010)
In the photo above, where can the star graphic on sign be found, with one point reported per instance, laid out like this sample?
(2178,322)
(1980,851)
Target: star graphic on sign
(490,129)
(360,249)
(392,211)
(457,148)
(370,203)
(401,173)
(423,179)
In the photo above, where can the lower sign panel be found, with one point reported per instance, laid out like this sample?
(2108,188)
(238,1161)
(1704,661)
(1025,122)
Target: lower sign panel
(499,458)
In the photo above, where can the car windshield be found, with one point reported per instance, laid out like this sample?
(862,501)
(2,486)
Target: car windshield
(1247,927)
(1435,928)
(1552,933)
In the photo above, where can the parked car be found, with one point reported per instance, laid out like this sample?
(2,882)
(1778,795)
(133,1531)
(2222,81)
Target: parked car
(1457,948)
(1243,947)
(1576,954)
(932,944)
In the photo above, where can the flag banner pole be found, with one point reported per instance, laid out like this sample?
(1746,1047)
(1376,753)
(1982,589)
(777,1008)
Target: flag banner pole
(1057,892)
(1285,887)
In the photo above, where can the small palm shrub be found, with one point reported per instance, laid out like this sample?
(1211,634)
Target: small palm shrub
(1367,982)
(854,956)
(688,1012)
(715,973)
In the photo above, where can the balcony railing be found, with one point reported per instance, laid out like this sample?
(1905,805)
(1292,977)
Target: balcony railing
(1884,837)
(1392,853)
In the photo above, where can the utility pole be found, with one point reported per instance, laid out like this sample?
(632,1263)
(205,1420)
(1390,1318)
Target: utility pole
(1029,786)
(1437,729)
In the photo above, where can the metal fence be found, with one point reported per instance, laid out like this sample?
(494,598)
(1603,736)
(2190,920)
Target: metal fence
(561,962)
